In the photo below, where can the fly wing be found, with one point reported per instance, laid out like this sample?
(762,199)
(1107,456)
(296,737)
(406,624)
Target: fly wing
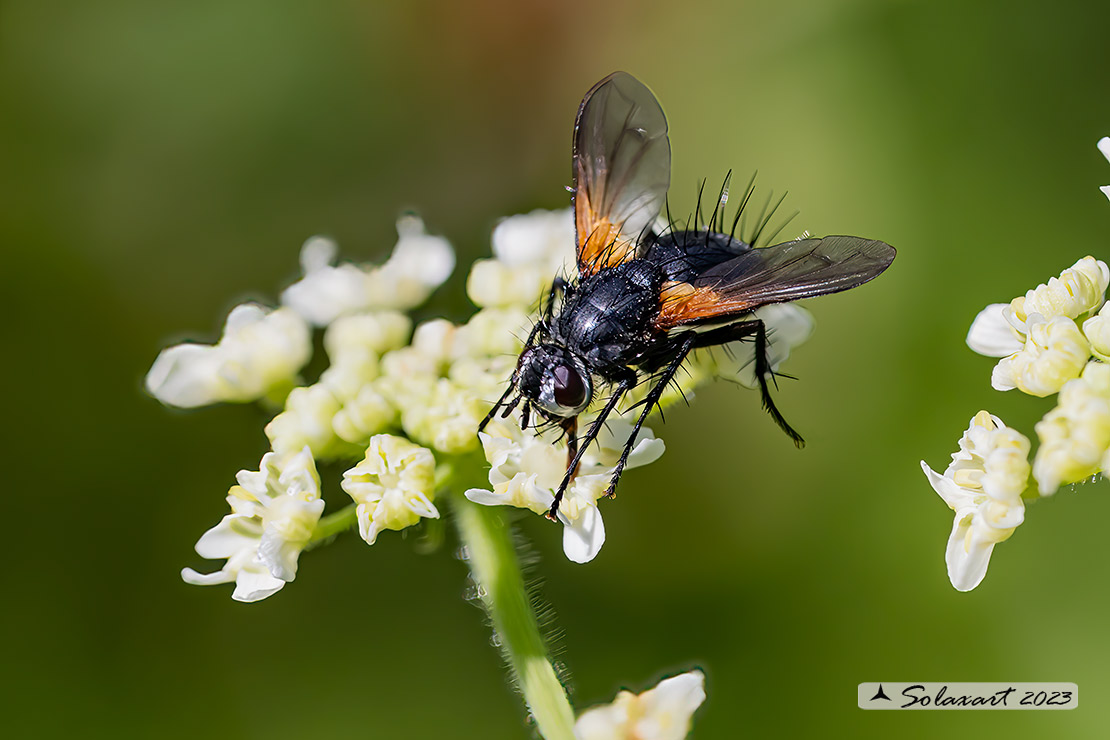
(784,272)
(622,169)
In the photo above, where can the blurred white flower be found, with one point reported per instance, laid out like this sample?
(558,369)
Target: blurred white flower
(529,251)
(662,713)
(1055,352)
(260,353)
(307,422)
(419,264)
(375,332)
(273,514)
(394,486)
(446,418)
(1075,435)
(526,470)
(983,486)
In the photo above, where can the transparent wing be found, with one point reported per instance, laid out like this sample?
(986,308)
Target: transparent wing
(784,272)
(622,169)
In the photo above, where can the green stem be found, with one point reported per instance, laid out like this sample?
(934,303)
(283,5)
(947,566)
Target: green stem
(496,571)
(333,524)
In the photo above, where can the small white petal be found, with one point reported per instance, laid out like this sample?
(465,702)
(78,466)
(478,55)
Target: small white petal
(991,335)
(1104,146)
(225,539)
(1002,376)
(186,376)
(254,585)
(645,452)
(194,578)
(967,559)
(484,497)
(583,538)
(956,497)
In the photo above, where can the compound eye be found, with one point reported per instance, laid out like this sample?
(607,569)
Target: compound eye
(570,391)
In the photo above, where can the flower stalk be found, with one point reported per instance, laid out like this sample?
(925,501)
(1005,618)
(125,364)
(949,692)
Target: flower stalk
(487,538)
(332,524)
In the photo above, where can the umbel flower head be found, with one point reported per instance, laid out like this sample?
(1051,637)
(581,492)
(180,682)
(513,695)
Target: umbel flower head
(400,404)
(1054,339)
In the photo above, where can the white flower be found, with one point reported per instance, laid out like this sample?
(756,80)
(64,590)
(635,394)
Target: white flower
(308,421)
(529,251)
(983,486)
(662,713)
(1097,331)
(393,486)
(1075,435)
(1104,147)
(445,418)
(1002,329)
(526,470)
(273,514)
(260,353)
(418,265)
(366,414)
(991,335)
(539,237)
(376,332)
(1055,352)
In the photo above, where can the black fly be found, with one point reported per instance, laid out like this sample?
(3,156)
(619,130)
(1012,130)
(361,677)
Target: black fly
(644,299)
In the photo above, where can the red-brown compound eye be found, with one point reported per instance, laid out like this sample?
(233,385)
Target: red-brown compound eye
(570,391)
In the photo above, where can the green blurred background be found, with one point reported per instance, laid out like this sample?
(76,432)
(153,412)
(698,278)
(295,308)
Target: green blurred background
(160,162)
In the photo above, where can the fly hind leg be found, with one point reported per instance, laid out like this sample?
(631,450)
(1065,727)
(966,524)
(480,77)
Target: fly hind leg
(757,331)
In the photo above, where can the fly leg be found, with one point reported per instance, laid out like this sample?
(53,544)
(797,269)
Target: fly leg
(685,343)
(743,330)
(557,285)
(623,386)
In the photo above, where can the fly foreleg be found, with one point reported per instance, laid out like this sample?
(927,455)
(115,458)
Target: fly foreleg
(623,386)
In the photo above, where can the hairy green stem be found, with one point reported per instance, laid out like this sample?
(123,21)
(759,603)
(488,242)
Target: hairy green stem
(487,537)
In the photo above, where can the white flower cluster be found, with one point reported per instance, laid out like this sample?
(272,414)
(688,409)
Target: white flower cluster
(1042,336)
(370,388)
(1054,339)
(402,404)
